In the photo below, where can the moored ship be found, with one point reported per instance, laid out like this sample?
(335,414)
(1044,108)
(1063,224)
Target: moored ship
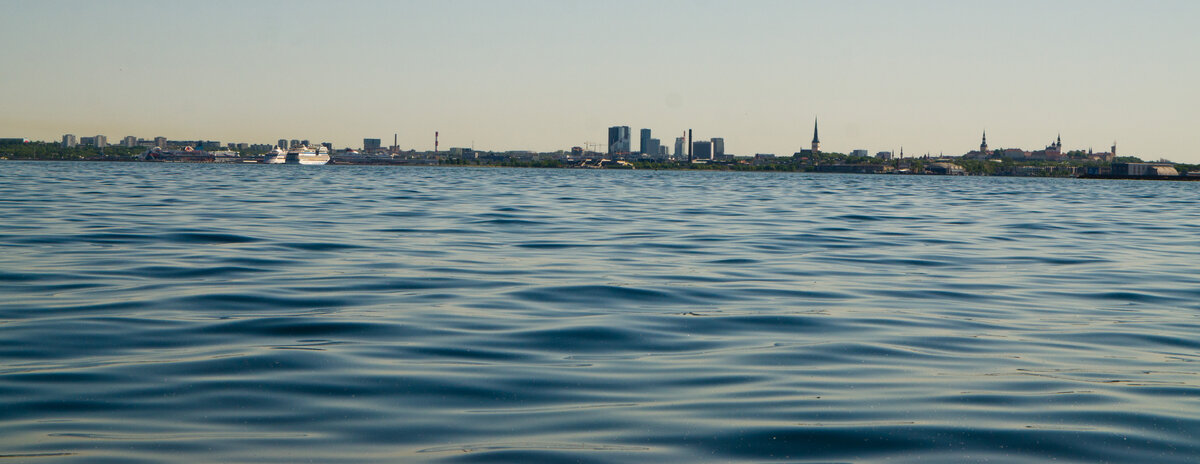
(275,156)
(307,155)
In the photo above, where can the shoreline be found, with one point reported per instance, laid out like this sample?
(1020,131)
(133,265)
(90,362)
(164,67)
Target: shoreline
(1183,178)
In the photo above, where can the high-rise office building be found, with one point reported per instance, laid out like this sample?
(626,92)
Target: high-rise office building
(129,141)
(294,144)
(69,141)
(160,142)
(718,147)
(618,140)
(702,150)
(372,145)
(100,141)
(679,153)
(652,148)
(644,142)
(282,144)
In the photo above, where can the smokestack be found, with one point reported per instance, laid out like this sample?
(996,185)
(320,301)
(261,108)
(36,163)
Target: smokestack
(435,142)
(689,146)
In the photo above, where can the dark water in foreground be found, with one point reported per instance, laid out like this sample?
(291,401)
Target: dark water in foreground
(207,313)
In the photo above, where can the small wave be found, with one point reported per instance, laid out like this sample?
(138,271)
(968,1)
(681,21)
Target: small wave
(37,455)
(480,447)
(600,295)
(208,237)
(541,245)
(217,303)
(180,272)
(320,246)
(510,222)
(293,327)
(365,283)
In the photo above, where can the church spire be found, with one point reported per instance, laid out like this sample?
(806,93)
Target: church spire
(983,146)
(816,143)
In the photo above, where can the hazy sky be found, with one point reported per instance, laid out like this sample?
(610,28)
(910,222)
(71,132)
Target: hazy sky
(547,75)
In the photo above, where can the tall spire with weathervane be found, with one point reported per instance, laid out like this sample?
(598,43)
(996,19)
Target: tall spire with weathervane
(983,146)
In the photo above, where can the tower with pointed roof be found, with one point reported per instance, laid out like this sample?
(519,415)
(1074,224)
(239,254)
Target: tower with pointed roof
(983,146)
(816,143)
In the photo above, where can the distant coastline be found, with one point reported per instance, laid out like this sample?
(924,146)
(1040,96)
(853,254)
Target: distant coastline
(1195,176)
(807,161)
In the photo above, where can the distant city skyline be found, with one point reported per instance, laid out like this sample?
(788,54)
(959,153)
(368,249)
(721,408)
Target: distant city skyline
(928,76)
(619,143)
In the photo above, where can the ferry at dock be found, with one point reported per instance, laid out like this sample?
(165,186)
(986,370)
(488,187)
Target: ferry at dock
(307,155)
(299,155)
(275,156)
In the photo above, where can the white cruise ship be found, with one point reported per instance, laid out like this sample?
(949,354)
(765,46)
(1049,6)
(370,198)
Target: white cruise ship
(307,155)
(275,156)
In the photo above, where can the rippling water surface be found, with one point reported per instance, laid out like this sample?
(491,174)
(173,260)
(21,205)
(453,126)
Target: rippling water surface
(227,313)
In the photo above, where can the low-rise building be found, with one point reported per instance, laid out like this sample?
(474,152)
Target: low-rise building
(946,169)
(1144,169)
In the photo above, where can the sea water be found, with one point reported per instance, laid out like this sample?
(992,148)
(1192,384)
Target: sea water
(247,313)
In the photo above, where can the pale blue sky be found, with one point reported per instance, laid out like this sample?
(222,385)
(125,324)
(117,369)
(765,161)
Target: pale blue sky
(547,75)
